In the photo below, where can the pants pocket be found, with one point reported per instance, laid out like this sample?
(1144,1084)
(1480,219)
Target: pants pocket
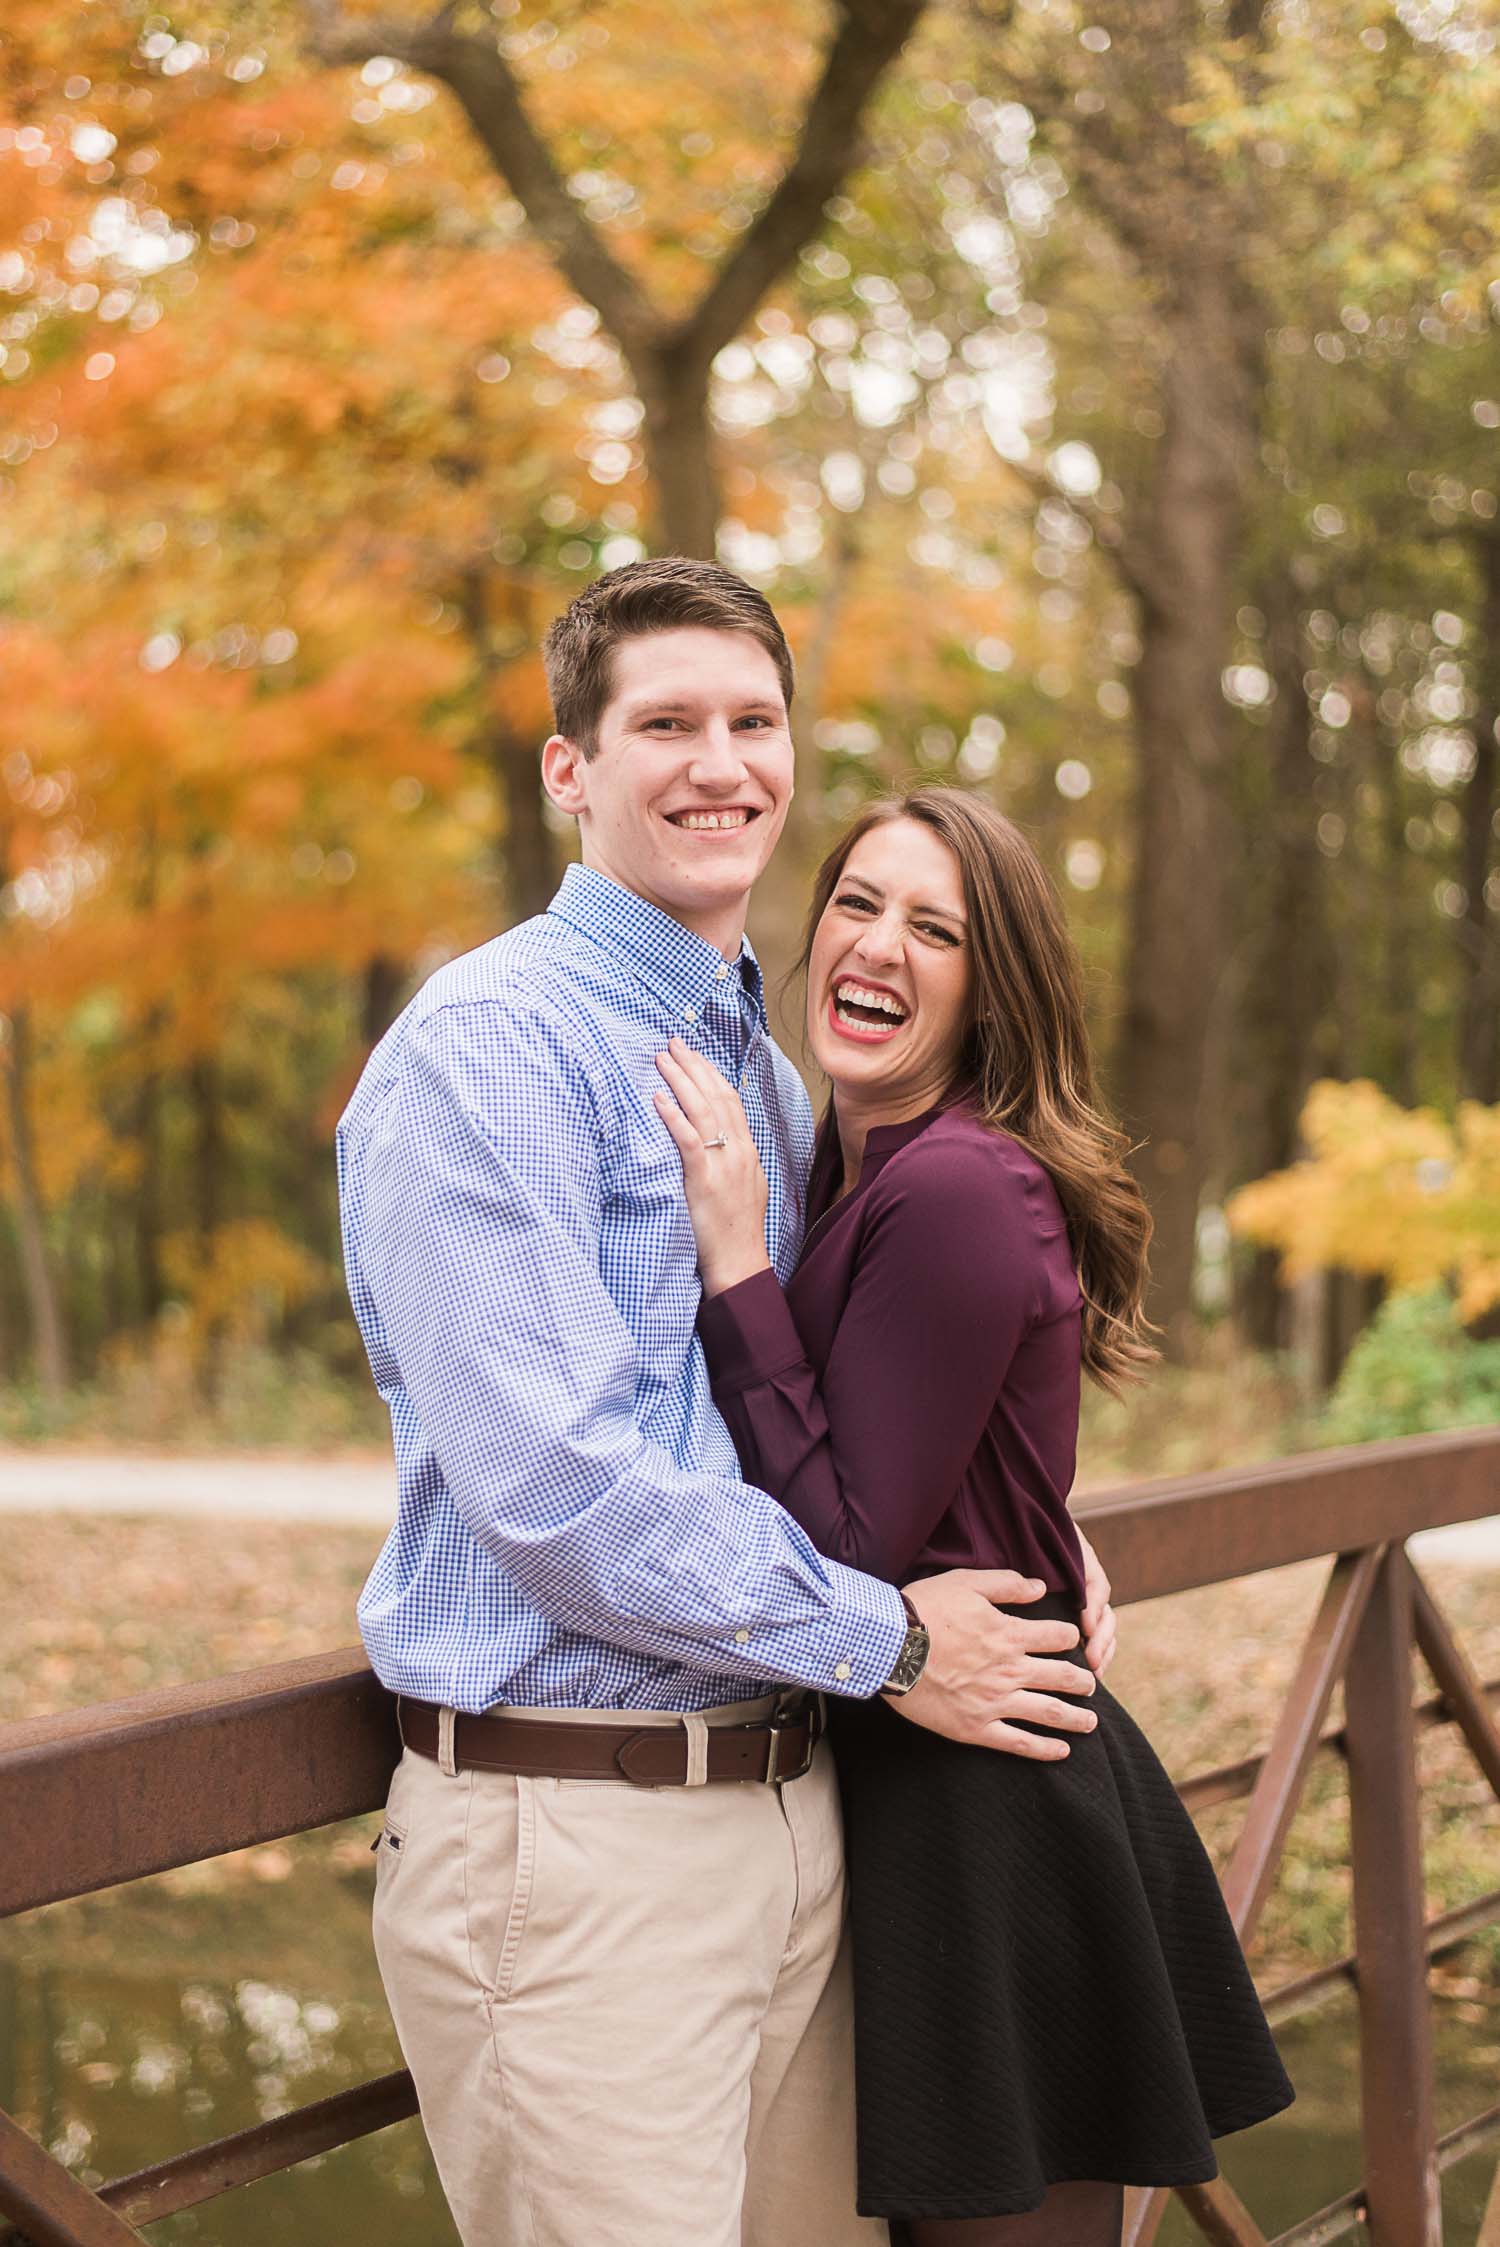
(500,1874)
(389,1851)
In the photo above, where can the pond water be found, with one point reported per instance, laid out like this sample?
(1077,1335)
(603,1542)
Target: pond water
(136,2024)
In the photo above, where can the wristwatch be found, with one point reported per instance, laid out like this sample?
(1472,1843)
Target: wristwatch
(912,1659)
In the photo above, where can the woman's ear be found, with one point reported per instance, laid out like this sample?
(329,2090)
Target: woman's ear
(563,768)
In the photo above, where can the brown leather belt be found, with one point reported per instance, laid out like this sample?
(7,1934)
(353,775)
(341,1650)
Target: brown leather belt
(777,1748)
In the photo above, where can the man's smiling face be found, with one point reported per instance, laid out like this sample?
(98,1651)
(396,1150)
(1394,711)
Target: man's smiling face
(688,787)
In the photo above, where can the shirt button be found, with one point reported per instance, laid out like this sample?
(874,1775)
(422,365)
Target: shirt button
(742,1638)
(843,1672)
(690,1014)
(720,974)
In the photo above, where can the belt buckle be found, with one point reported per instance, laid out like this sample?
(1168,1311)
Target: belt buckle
(783,1721)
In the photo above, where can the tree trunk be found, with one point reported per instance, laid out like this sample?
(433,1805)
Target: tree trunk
(1289,970)
(146,1224)
(208,1178)
(1397,1018)
(1177,922)
(48,1333)
(381,998)
(779,910)
(680,453)
(1479,930)
(528,871)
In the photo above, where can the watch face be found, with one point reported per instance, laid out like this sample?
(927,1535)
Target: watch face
(910,1662)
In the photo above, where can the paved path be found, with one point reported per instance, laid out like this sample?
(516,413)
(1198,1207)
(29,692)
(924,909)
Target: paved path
(357,1492)
(256,1486)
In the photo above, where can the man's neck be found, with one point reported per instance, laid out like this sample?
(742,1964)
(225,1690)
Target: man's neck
(722,926)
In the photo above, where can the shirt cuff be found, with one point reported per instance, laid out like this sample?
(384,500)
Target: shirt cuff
(864,1654)
(748,1333)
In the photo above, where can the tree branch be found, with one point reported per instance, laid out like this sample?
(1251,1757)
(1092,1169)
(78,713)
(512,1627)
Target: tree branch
(481,80)
(1127,554)
(869,37)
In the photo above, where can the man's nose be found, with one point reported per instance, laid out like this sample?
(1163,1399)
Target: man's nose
(716,760)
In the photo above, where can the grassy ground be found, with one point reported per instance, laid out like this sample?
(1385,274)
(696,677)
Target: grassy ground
(1228,1409)
(91,1609)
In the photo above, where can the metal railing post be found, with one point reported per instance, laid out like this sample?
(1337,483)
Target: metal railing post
(1401,2178)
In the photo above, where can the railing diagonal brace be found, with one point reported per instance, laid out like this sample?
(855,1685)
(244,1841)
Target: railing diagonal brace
(52,2208)
(1456,1680)
(1278,1790)
(1221,2215)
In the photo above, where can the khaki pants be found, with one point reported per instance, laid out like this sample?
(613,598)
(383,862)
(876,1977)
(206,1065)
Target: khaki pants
(626,2008)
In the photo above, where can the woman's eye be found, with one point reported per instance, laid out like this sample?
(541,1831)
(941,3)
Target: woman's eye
(856,904)
(943,935)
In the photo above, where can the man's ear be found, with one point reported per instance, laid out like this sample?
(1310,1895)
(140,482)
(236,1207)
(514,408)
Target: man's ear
(563,765)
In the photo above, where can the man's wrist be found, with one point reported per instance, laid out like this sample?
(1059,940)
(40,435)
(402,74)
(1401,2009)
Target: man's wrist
(911,1661)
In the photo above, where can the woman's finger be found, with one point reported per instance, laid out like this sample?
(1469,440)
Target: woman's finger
(688,1097)
(689,1141)
(720,1099)
(710,1081)
(1101,1645)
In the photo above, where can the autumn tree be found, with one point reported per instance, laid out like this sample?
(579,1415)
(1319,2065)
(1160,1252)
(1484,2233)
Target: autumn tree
(668,346)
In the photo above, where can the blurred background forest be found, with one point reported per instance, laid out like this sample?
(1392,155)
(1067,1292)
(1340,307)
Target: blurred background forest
(1108,397)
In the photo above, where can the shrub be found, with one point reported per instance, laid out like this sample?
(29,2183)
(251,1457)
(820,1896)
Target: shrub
(1413,1371)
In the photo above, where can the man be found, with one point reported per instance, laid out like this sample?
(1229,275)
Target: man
(609,1892)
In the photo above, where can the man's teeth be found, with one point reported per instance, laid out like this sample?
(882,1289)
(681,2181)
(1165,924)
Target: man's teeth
(707,821)
(854,1003)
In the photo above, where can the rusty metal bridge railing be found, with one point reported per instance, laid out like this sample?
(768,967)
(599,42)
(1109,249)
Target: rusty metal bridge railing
(108,1794)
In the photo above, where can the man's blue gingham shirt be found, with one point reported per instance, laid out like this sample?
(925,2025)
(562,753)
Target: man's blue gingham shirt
(572,1527)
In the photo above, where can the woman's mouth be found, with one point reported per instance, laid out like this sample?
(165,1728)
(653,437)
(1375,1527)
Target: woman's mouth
(865,1011)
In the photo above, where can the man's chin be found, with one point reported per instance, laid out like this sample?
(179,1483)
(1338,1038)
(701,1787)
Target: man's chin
(729,873)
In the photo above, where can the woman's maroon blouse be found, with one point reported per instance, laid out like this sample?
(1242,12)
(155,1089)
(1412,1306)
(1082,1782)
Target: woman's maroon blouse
(912,1397)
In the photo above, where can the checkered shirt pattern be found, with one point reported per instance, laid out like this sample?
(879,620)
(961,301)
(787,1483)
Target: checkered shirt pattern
(572,1528)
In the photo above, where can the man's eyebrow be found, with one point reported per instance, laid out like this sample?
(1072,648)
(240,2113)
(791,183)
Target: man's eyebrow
(674,706)
(942,912)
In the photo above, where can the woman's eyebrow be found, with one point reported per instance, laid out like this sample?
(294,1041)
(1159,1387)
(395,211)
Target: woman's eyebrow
(942,912)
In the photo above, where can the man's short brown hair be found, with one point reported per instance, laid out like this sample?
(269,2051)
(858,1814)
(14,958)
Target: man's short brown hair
(665,594)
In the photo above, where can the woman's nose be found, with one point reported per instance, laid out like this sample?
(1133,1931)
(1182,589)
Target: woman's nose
(881,940)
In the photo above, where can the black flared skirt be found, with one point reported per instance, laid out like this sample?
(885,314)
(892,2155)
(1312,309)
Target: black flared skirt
(1047,1985)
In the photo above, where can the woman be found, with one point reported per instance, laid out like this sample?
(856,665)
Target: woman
(1050,2001)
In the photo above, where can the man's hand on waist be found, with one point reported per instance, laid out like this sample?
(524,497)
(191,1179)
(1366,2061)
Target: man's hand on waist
(988,1672)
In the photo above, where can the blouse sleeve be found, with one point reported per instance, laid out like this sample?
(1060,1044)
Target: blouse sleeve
(869,1460)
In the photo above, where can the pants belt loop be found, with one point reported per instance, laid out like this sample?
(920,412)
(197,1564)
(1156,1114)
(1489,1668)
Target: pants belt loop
(447,1762)
(696,1728)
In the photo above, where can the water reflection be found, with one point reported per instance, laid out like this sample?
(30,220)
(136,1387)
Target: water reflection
(136,2024)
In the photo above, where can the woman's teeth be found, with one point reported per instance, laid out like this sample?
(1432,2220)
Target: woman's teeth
(860,1008)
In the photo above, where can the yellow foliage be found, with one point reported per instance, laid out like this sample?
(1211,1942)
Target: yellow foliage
(247,1276)
(1395,1192)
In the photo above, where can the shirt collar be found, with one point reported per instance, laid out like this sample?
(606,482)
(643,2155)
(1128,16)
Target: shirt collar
(669,959)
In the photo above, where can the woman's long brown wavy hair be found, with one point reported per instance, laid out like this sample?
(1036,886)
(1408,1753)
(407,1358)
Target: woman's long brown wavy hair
(1025,1058)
